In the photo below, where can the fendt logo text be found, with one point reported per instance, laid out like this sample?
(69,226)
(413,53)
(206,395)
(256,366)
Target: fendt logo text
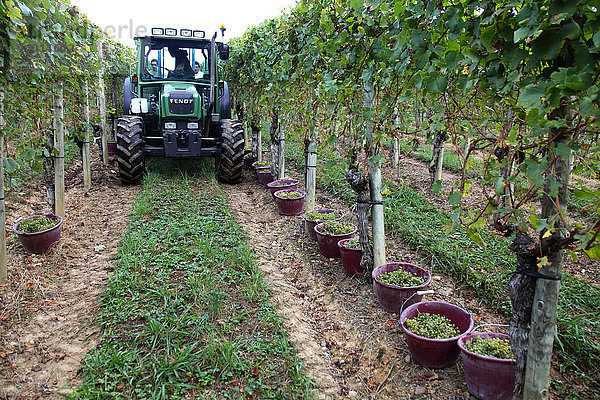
(181,101)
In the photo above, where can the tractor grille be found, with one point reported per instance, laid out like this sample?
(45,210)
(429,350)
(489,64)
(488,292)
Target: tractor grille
(181,102)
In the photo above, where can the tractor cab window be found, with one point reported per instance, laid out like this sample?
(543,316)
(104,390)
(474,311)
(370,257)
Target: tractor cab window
(171,61)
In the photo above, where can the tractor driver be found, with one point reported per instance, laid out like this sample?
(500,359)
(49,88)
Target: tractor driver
(154,70)
(199,74)
(183,69)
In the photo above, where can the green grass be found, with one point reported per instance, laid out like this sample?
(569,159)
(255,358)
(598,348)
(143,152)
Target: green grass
(584,208)
(416,221)
(186,313)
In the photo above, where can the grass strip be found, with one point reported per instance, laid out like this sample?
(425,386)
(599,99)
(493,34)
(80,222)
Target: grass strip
(186,313)
(416,221)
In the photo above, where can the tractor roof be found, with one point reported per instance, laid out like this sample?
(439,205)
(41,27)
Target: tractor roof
(181,34)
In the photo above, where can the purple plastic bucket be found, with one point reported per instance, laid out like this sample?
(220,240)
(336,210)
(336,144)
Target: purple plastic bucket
(328,243)
(112,147)
(436,353)
(487,378)
(392,297)
(286,183)
(289,206)
(350,258)
(310,224)
(39,242)
(264,176)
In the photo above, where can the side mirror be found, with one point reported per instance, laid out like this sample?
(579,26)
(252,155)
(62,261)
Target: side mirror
(223,51)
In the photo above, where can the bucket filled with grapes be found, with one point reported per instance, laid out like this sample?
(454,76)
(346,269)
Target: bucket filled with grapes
(489,365)
(395,282)
(432,329)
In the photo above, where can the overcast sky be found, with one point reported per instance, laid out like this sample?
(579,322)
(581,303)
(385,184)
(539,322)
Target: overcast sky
(121,19)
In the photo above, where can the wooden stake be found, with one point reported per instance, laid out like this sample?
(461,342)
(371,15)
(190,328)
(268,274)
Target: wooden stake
(311,174)
(274,136)
(545,300)
(375,185)
(85,154)
(244,121)
(102,106)
(259,156)
(59,161)
(281,153)
(3,268)
(396,143)
(440,163)
(378,217)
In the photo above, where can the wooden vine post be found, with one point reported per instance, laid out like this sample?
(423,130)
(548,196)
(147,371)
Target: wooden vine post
(256,139)
(244,120)
(102,106)
(274,134)
(3,267)
(396,144)
(311,173)
(85,151)
(281,153)
(545,300)
(59,143)
(375,186)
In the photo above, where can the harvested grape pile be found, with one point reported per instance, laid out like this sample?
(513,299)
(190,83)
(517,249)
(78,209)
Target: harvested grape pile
(432,326)
(401,278)
(491,347)
(38,224)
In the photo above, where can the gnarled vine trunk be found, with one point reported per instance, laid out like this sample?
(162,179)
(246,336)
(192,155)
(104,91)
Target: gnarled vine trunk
(435,166)
(256,142)
(521,289)
(534,288)
(360,185)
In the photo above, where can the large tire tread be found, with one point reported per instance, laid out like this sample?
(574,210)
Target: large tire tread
(231,162)
(130,153)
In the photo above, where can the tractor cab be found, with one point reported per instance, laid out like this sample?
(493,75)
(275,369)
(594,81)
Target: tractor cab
(178,98)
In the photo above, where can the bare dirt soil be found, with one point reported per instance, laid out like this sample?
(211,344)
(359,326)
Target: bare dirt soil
(48,308)
(350,347)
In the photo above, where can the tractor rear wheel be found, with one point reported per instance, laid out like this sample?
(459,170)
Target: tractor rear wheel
(130,155)
(231,161)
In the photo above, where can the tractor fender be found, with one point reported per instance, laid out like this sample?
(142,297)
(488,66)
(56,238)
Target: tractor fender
(127,96)
(224,104)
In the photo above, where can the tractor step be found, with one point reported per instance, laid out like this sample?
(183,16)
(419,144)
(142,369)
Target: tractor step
(179,152)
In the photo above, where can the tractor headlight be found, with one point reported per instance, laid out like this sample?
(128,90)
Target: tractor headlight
(192,125)
(158,31)
(199,34)
(171,32)
(185,32)
(170,125)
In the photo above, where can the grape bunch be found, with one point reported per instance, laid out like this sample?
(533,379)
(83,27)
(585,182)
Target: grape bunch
(401,278)
(432,326)
(491,347)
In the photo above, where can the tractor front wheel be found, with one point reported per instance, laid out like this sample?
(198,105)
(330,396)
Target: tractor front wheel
(231,161)
(130,155)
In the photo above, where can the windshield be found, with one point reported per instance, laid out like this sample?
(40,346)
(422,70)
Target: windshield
(175,61)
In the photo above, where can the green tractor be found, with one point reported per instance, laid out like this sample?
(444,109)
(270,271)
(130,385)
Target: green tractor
(175,105)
